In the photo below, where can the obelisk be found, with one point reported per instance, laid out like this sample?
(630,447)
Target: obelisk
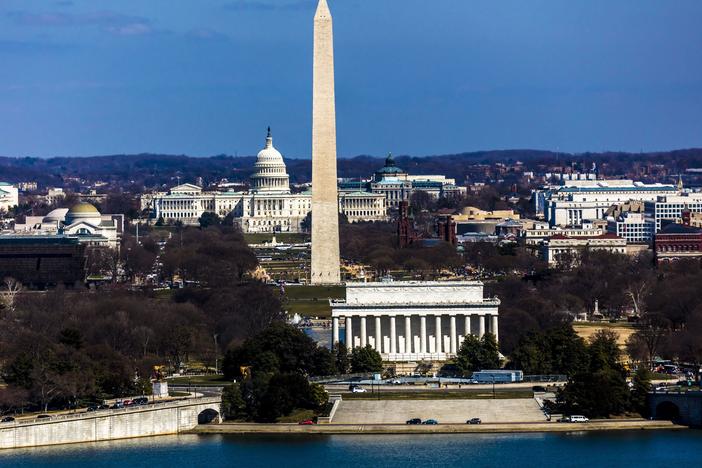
(325,201)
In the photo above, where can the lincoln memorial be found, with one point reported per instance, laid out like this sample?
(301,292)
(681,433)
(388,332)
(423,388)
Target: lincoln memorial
(412,321)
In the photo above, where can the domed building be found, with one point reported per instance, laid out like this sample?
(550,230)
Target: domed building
(271,174)
(268,207)
(82,221)
(85,222)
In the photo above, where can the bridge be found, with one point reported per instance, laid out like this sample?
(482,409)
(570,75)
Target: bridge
(165,418)
(679,407)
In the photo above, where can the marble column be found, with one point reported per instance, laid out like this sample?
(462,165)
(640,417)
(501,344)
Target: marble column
(349,332)
(393,336)
(493,328)
(378,336)
(466,331)
(335,331)
(481,329)
(423,333)
(364,334)
(438,335)
(408,334)
(453,334)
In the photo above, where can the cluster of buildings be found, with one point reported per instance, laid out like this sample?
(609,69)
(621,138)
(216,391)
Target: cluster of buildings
(582,211)
(270,206)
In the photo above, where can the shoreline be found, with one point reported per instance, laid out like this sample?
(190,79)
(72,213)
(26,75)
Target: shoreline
(486,428)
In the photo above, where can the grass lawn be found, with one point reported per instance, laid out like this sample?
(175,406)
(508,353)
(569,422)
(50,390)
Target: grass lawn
(312,301)
(441,395)
(288,238)
(199,381)
(625,330)
(320,309)
(297,415)
(312,292)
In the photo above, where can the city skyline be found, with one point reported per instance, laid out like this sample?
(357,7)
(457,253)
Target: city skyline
(207,78)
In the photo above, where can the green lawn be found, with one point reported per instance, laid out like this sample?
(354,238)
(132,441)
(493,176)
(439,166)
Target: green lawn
(297,415)
(312,301)
(320,309)
(312,292)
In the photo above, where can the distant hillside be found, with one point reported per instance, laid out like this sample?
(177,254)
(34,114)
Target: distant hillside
(153,170)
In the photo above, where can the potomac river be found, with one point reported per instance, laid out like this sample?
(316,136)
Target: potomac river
(601,449)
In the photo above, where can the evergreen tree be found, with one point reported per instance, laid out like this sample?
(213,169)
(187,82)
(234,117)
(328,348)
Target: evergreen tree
(233,404)
(366,360)
(641,387)
(341,358)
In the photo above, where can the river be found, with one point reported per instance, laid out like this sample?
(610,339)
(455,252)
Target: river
(602,449)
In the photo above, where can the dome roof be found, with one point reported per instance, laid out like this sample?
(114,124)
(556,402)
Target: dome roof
(390,167)
(83,211)
(269,155)
(84,208)
(271,174)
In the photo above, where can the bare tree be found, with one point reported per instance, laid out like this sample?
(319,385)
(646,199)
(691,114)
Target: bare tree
(12,288)
(637,293)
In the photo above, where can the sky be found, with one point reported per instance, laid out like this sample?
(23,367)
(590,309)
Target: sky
(416,77)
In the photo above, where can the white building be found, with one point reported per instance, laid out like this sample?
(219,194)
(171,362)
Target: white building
(413,321)
(559,248)
(83,221)
(268,207)
(581,200)
(9,196)
(636,228)
(536,233)
(670,207)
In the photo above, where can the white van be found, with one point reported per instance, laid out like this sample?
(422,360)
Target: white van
(579,419)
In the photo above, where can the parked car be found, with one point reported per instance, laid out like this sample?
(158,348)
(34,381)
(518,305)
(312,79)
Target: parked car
(430,422)
(414,421)
(474,421)
(564,419)
(44,416)
(7,419)
(140,401)
(307,422)
(127,402)
(358,390)
(117,405)
(396,382)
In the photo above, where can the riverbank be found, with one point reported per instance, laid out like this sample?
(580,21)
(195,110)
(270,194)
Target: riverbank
(496,428)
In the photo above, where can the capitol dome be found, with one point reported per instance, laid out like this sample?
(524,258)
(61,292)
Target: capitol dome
(83,212)
(271,174)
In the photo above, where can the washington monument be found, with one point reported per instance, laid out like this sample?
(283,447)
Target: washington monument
(325,201)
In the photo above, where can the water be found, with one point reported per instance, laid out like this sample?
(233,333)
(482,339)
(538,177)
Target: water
(602,449)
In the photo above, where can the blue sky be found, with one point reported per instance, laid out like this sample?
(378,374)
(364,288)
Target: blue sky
(419,77)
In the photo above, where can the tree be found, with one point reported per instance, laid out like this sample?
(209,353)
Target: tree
(341,358)
(366,360)
(208,219)
(233,404)
(639,392)
(477,354)
(9,294)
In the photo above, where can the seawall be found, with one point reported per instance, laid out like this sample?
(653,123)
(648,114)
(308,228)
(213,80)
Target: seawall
(140,421)
(600,425)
